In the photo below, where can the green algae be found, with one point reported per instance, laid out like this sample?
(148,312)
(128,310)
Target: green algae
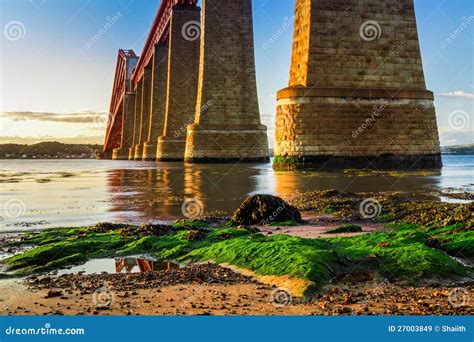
(51,253)
(345,228)
(416,208)
(402,253)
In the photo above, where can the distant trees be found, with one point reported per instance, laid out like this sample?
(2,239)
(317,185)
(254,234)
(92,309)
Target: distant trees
(461,149)
(49,149)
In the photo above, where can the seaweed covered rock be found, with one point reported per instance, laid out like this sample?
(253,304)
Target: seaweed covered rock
(265,209)
(148,230)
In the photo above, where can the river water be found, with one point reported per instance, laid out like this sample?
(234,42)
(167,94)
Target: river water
(57,193)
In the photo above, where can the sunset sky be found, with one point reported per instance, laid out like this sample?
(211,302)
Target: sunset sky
(56,82)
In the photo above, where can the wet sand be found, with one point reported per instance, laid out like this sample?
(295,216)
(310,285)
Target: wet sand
(317,227)
(213,290)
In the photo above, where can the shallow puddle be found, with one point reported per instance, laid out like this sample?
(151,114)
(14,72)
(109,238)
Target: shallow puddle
(129,264)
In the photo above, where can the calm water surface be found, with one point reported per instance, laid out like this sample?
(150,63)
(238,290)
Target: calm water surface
(51,193)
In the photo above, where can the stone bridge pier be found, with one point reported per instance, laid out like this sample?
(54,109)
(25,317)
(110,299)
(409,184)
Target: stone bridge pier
(227,125)
(157,100)
(182,80)
(357,95)
(194,94)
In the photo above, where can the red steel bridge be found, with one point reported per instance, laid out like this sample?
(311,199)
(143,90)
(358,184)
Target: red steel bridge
(129,71)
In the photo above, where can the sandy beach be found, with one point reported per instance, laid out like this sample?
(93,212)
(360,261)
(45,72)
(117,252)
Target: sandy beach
(213,290)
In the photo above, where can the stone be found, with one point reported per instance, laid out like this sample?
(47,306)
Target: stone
(265,209)
(357,95)
(158,100)
(53,293)
(144,121)
(227,126)
(136,119)
(183,70)
(122,153)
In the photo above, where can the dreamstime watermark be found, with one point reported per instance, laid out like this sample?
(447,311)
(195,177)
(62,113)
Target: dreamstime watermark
(14,208)
(192,208)
(274,215)
(103,297)
(370,30)
(281,297)
(46,330)
(459,120)
(9,302)
(370,120)
(38,3)
(109,22)
(183,129)
(458,31)
(458,297)
(191,30)
(287,23)
(376,292)
(370,208)
(14,30)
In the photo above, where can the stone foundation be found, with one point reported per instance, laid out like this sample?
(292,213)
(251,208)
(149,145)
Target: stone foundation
(131,153)
(137,117)
(183,68)
(158,100)
(120,153)
(138,152)
(227,124)
(362,131)
(149,151)
(169,149)
(357,95)
(248,144)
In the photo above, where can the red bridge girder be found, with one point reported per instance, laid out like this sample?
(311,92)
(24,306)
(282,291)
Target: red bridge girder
(158,34)
(121,85)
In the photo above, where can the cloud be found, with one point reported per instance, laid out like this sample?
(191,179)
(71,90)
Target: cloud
(458,94)
(80,139)
(83,117)
(450,137)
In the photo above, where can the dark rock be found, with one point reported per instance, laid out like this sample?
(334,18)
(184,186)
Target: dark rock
(52,293)
(265,209)
(195,235)
(434,243)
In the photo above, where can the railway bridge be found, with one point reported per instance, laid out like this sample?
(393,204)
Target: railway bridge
(356,95)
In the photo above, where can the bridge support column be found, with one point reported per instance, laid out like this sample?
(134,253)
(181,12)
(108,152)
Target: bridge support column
(357,95)
(183,67)
(136,119)
(144,113)
(227,124)
(122,153)
(158,100)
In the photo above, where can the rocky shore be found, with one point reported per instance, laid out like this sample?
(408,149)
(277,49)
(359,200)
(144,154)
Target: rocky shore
(321,253)
(212,290)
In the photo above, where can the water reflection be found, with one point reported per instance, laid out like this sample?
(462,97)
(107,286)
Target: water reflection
(146,192)
(143,264)
(130,264)
(157,193)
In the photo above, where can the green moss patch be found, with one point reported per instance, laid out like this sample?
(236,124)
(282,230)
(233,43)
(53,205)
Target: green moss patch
(402,253)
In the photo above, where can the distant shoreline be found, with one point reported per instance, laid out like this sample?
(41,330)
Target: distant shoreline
(56,150)
(94,158)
